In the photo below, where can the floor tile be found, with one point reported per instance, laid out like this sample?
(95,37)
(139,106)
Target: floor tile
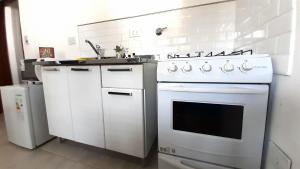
(67,149)
(11,154)
(66,155)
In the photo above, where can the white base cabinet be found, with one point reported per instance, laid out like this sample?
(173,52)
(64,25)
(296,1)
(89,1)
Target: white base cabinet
(120,116)
(129,106)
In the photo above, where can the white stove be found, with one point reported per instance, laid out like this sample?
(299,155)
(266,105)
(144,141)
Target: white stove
(212,111)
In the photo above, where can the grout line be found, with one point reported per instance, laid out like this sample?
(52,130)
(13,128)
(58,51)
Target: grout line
(266,22)
(276,17)
(263,39)
(62,156)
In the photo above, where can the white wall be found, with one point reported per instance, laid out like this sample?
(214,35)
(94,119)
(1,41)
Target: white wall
(285,107)
(51,22)
(267,26)
(188,30)
(284,115)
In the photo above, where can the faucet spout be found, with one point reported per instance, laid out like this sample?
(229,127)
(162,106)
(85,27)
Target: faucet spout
(93,47)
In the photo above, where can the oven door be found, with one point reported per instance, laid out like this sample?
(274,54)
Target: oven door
(218,123)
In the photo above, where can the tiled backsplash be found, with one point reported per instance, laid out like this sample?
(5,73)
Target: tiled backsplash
(202,28)
(266,26)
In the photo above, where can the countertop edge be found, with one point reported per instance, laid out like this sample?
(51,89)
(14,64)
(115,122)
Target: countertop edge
(52,63)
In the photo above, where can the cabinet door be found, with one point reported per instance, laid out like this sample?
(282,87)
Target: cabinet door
(86,104)
(123,119)
(57,101)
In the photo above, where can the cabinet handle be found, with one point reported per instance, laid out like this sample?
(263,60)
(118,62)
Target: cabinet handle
(120,93)
(51,69)
(80,69)
(120,70)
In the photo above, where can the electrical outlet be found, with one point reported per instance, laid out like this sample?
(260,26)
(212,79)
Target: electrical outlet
(134,32)
(276,158)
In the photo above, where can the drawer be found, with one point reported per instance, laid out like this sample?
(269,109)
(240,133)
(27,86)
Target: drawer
(122,76)
(83,70)
(172,162)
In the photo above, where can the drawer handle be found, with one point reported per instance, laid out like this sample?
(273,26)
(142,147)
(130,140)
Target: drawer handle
(80,69)
(120,93)
(51,69)
(120,70)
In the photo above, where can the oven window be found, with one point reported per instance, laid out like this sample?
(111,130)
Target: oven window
(211,119)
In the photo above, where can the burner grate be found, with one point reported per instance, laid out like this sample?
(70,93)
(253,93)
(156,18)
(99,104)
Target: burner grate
(211,54)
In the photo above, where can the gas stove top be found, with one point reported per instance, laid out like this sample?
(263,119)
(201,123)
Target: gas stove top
(210,54)
(217,69)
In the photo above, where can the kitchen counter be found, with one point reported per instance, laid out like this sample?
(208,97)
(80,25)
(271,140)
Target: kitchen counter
(106,61)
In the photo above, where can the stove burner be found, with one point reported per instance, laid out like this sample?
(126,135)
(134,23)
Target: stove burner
(210,54)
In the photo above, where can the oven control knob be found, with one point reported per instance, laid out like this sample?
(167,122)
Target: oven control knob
(228,67)
(172,68)
(187,67)
(206,67)
(246,67)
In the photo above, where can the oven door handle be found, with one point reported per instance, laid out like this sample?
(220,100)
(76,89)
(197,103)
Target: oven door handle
(222,90)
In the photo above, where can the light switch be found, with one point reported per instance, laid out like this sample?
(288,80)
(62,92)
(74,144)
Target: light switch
(71,40)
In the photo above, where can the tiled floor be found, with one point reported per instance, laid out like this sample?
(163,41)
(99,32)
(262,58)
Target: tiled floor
(68,155)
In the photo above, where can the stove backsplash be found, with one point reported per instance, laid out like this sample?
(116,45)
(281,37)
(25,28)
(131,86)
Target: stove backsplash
(202,28)
(267,27)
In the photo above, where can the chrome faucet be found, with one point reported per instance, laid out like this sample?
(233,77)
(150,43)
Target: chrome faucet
(98,50)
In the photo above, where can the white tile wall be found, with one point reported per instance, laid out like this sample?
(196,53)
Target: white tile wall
(267,26)
(202,28)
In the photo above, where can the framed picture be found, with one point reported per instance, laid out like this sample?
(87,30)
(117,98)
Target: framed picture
(46,52)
